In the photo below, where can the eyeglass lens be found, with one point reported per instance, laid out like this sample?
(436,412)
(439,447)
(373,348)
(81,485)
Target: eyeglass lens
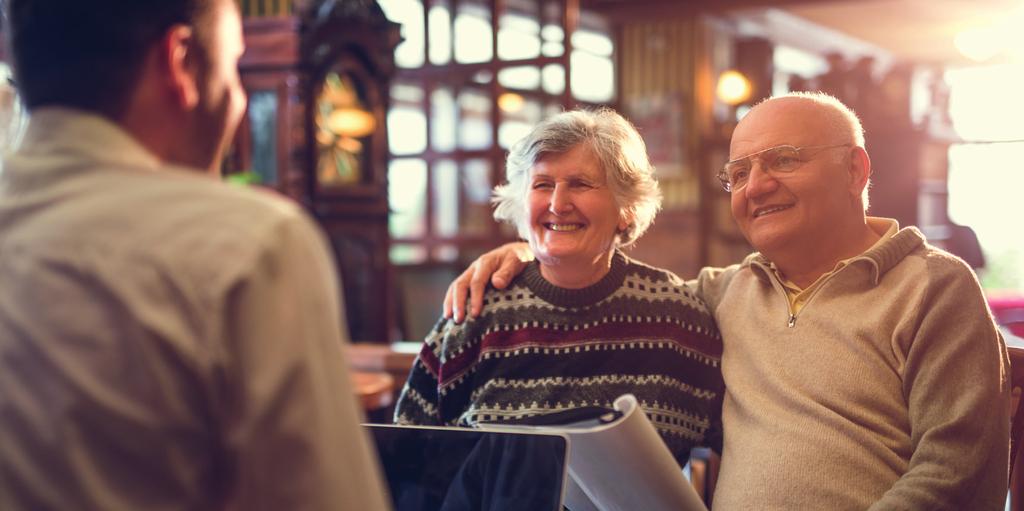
(776,159)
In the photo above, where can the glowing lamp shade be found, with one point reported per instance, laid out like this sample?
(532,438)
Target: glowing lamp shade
(733,88)
(510,102)
(351,122)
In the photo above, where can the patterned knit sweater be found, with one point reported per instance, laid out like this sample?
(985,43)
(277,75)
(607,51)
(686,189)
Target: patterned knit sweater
(538,349)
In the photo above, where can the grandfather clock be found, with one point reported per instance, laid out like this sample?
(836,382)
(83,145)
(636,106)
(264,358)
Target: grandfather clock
(318,75)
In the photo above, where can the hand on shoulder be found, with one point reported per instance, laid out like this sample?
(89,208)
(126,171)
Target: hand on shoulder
(499,266)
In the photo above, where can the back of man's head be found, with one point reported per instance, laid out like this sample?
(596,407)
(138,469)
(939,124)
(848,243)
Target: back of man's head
(87,54)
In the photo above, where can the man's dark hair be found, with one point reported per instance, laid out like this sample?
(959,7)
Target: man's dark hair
(87,54)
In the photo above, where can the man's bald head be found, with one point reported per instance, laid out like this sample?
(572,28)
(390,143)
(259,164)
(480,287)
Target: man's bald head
(822,115)
(799,119)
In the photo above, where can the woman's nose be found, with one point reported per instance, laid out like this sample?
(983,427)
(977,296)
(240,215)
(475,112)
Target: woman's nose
(561,199)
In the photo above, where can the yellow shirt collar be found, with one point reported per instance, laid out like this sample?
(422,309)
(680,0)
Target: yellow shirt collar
(884,227)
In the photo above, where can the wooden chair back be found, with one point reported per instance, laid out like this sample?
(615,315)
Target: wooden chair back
(1016,427)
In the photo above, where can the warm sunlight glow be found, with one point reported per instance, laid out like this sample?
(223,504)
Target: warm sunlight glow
(979,44)
(984,102)
(985,178)
(1001,37)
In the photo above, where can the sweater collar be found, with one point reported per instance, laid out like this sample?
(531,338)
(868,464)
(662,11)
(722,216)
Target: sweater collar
(589,295)
(884,256)
(881,258)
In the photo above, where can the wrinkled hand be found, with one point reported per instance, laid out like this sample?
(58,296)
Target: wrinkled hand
(499,266)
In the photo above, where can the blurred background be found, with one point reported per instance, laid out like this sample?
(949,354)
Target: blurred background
(390,121)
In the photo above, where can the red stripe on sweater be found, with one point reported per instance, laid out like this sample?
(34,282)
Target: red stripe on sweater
(604,333)
(430,361)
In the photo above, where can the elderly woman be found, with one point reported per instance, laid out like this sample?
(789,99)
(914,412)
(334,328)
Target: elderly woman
(584,323)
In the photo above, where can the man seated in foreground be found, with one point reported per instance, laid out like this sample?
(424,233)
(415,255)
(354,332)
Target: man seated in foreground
(862,366)
(166,341)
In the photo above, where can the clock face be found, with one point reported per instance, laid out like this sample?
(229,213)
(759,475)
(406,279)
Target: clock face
(342,126)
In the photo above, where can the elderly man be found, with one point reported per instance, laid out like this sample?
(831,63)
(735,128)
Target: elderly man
(166,341)
(863,369)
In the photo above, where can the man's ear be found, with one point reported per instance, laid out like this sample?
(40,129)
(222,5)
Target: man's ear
(860,170)
(177,58)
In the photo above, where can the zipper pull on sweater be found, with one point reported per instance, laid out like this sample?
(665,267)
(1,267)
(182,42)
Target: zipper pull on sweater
(792,320)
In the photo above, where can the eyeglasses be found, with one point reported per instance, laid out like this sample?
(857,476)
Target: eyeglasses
(781,159)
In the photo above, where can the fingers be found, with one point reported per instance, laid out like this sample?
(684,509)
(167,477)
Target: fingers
(501,278)
(455,297)
(449,300)
(484,267)
(514,259)
(499,266)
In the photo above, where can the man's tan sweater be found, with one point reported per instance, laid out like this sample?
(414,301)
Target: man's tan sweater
(888,390)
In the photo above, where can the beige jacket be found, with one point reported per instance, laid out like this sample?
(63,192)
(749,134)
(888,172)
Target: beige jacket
(889,390)
(166,341)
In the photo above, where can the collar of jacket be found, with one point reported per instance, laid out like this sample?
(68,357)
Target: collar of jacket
(880,258)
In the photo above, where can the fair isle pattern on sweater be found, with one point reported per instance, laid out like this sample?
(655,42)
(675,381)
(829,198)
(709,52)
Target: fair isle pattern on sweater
(538,349)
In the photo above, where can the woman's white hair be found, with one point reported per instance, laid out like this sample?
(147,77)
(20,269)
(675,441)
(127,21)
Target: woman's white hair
(617,146)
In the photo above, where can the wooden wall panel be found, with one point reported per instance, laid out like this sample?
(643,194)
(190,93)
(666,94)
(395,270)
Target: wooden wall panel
(656,60)
(658,67)
(266,8)
(657,57)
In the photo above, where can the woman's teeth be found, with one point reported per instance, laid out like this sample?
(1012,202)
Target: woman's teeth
(564,227)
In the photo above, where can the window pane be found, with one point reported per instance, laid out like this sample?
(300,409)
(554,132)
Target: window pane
(476,187)
(407,130)
(473,34)
(409,13)
(518,123)
(474,120)
(263,126)
(444,120)
(553,49)
(593,77)
(553,77)
(446,199)
(404,253)
(407,196)
(520,77)
(591,42)
(518,37)
(796,61)
(446,253)
(406,94)
(511,131)
(483,77)
(988,115)
(440,20)
(552,35)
